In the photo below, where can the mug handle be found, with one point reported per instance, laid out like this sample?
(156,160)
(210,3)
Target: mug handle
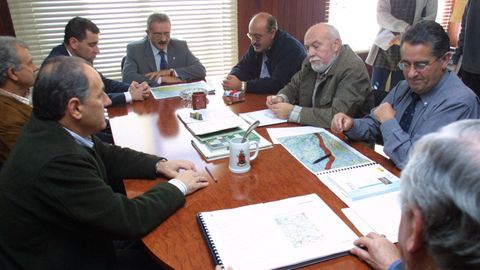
(256,150)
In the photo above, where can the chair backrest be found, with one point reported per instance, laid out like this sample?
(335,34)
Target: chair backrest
(122,63)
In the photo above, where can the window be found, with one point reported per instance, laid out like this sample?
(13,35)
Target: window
(356,20)
(209,27)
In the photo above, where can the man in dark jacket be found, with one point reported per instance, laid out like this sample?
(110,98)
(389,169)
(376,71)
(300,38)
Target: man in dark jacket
(272,59)
(57,206)
(81,39)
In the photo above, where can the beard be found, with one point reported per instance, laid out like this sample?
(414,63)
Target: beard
(320,67)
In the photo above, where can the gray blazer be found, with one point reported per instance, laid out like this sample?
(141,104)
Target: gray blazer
(140,60)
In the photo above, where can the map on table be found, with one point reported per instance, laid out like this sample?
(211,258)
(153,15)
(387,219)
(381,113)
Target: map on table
(321,151)
(176,90)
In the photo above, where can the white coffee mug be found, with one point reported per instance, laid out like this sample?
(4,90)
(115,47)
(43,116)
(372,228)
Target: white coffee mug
(240,155)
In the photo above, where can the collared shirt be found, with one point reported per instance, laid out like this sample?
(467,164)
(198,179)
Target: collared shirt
(396,265)
(264,70)
(156,55)
(24,100)
(448,101)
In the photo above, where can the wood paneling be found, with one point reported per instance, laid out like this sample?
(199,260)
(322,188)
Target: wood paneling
(6,25)
(293,16)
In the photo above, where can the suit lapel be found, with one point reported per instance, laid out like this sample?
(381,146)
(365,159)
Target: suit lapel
(148,56)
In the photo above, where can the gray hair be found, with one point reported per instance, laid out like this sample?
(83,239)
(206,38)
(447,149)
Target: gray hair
(332,31)
(157,17)
(8,55)
(442,178)
(59,79)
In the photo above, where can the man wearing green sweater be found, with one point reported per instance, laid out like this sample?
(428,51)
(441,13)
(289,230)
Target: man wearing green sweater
(57,207)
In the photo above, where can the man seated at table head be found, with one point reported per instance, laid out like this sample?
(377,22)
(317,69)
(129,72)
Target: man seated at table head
(440,217)
(271,60)
(17,74)
(157,58)
(332,79)
(57,207)
(429,98)
(81,40)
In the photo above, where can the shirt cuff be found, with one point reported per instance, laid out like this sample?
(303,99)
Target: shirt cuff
(295,114)
(396,265)
(128,96)
(159,81)
(179,184)
(285,98)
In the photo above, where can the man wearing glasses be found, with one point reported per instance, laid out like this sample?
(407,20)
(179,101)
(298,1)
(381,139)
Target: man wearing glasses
(429,98)
(158,59)
(271,60)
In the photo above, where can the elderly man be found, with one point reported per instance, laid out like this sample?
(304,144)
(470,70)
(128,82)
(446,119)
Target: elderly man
(440,211)
(157,58)
(332,79)
(60,212)
(81,39)
(272,59)
(17,74)
(429,98)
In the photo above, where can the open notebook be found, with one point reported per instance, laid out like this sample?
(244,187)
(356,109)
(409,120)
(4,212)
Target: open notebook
(282,234)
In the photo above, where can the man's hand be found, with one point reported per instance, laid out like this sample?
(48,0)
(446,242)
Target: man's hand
(155,75)
(273,100)
(281,110)
(192,180)
(171,168)
(384,112)
(341,123)
(231,82)
(376,250)
(139,91)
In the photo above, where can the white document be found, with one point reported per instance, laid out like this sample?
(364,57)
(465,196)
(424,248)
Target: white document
(383,39)
(277,234)
(213,120)
(266,117)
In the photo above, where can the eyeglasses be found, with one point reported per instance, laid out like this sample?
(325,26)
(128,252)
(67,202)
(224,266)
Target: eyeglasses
(255,36)
(158,34)
(418,66)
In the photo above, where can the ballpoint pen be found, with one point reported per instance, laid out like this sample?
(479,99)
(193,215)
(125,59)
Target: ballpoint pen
(321,158)
(210,173)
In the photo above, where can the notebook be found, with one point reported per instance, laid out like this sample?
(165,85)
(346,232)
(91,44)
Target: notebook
(288,233)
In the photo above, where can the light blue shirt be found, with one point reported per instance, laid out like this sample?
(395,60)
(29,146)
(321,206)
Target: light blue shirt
(157,57)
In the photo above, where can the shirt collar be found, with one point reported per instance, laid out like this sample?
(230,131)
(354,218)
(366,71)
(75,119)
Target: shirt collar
(87,142)
(24,100)
(155,50)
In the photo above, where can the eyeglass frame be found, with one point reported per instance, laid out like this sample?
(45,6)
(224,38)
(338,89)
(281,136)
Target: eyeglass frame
(159,34)
(257,36)
(401,64)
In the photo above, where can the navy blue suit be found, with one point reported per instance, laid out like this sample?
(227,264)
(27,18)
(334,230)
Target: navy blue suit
(114,89)
(285,58)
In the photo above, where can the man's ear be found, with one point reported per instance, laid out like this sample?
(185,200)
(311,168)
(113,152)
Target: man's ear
(12,74)
(445,59)
(75,108)
(415,238)
(73,42)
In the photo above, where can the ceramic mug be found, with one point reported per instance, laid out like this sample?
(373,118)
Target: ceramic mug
(240,155)
(199,100)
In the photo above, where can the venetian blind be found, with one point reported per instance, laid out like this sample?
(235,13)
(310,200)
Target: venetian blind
(208,26)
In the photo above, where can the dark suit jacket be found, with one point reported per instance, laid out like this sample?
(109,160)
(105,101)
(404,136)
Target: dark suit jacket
(114,89)
(285,58)
(140,60)
(60,212)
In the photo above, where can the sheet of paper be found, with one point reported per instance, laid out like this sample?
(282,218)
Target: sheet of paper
(266,117)
(175,90)
(213,119)
(277,234)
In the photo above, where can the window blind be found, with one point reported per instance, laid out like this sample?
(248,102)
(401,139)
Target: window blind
(208,26)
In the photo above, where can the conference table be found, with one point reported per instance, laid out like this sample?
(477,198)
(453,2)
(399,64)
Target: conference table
(152,126)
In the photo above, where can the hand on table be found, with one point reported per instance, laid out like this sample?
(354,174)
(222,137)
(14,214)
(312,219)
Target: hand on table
(231,82)
(376,250)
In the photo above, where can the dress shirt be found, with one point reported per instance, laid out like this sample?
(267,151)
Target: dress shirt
(158,60)
(450,100)
(264,71)
(24,100)
(397,265)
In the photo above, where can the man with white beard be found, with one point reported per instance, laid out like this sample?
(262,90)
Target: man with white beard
(332,79)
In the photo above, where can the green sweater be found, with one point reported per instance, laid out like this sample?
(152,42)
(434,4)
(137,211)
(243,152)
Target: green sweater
(57,207)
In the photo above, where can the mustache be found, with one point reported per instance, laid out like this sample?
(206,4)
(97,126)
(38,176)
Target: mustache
(162,42)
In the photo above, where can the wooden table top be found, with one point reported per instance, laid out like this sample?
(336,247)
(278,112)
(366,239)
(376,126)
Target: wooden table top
(152,126)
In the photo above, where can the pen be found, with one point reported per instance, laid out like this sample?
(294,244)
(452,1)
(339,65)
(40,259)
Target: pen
(210,173)
(321,158)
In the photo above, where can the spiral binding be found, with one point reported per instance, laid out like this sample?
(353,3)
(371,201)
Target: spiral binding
(212,245)
(347,168)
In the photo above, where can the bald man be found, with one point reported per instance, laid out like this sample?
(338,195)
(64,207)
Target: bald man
(333,79)
(271,60)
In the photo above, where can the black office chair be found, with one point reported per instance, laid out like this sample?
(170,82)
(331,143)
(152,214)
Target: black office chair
(123,63)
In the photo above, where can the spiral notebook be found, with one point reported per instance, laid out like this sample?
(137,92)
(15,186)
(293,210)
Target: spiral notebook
(284,234)
(349,174)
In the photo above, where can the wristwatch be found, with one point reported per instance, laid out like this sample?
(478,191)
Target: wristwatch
(244,86)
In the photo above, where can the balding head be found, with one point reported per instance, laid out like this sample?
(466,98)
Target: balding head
(261,31)
(323,44)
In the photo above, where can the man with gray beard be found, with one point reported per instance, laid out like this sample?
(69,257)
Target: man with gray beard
(332,79)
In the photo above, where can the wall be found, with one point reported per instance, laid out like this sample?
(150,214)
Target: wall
(6,26)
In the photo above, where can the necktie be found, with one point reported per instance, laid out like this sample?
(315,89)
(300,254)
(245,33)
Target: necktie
(163,61)
(407,116)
